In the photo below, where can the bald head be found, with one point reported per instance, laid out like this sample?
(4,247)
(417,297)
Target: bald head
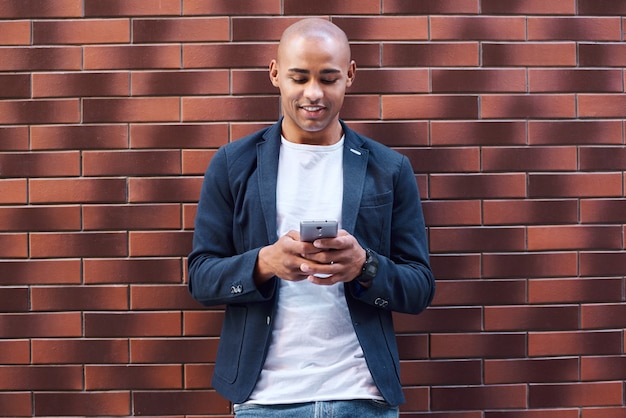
(316,29)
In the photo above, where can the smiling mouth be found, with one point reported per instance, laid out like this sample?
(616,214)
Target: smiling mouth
(312,109)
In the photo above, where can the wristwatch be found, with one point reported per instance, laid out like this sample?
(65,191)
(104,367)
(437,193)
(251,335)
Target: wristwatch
(370,267)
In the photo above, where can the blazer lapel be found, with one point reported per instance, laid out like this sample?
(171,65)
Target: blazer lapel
(267,160)
(354,171)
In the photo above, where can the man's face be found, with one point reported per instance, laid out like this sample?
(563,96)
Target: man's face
(312,74)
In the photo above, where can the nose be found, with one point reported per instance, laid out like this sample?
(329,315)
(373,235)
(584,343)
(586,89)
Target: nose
(313,91)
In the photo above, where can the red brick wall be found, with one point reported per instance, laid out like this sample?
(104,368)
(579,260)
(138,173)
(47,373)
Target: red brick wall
(512,113)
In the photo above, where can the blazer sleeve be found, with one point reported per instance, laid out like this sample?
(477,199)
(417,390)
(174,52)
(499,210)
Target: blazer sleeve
(221,271)
(405,282)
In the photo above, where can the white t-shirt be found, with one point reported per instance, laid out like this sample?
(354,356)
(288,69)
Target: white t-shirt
(314,354)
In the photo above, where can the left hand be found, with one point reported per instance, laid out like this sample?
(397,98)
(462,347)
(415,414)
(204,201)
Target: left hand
(341,257)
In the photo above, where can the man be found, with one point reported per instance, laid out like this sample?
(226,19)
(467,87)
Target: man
(308,326)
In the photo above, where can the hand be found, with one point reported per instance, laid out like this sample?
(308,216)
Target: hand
(341,257)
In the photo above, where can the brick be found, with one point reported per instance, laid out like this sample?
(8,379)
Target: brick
(476,239)
(601,7)
(361,107)
(475,186)
(32,219)
(465,266)
(602,263)
(574,132)
(535,413)
(530,212)
(536,318)
(528,106)
(78,244)
(574,81)
(480,293)
(80,84)
(13,245)
(439,373)
(205,29)
(477,132)
(418,398)
(84,31)
(131,163)
(442,160)
(40,9)
(395,133)
(384,28)
(149,270)
(15,33)
(531,370)
(134,377)
(79,351)
(148,109)
(366,54)
(162,297)
(602,368)
(529,54)
(478,397)
(204,323)
(131,57)
(196,109)
(233,7)
(603,211)
(179,402)
(259,28)
(148,244)
(40,272)
(14,352)
(557,264)
(601,105)
(577,290)
(40,325)
(295,7)
(198,376)
(462,54)
(14,191)
(533,7)
(239,130)
(189,350)
(39,111)
(603,158)
(430,7)
(575,185)
(603,316)
(452,213)
(567,237)
(124,8)
(381,81)
(82,137)
(66,58)
(477,28)
(574,343)
(40,164)
(132,324)
(604,412)
(189,216)
(18,404)
(484,345)
(478,80)
(457,319)
(14,138)
(529,159)
(196,161)
(82,404)
(187,83)
(40,378)
(575,394)
(131,217)
(14,86)
(228,55)
(14,299)
(178,136)
(79,298)
(250,81)
(429,107)
(602,55)
(574,28)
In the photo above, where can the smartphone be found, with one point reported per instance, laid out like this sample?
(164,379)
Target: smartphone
(312,230)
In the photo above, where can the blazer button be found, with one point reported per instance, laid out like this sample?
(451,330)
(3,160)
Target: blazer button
(381,303)
(234,289)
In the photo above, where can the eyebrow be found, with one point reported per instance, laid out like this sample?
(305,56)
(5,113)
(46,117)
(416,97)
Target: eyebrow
(303,71)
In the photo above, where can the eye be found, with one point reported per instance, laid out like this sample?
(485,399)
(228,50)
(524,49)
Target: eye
(299,80)
(329,81)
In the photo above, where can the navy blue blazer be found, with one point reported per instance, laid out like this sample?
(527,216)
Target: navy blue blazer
(237,216)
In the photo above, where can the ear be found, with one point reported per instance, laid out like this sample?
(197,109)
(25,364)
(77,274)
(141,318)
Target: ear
(274,73)
(351,73)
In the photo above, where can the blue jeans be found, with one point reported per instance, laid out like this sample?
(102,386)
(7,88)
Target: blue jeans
(331,409)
